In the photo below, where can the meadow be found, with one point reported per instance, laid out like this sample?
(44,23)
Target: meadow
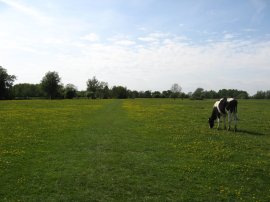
(132,150)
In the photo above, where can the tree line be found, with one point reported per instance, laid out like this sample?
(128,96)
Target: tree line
(51,87)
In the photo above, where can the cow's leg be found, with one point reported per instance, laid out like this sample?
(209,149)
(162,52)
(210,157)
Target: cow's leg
(218,120)
(224,121)
(229,120)
(236,116)
(235,121)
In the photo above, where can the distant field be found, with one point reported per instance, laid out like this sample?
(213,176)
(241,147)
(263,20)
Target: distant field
(132,150)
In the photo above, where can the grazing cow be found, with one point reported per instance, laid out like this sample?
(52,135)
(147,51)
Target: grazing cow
(220,109)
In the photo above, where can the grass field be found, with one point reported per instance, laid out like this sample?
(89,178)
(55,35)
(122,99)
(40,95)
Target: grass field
(132,150)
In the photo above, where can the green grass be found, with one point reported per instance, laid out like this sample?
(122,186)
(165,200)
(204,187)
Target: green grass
(132,150)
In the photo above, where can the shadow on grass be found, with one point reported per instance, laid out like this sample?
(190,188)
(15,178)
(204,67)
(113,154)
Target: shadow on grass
(250,132)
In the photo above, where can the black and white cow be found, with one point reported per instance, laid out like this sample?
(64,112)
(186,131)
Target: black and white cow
(220,109)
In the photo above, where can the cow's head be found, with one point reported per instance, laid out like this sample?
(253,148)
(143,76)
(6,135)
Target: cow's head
(211,122)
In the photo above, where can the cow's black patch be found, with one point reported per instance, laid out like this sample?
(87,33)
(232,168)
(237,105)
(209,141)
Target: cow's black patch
(232,106)
(214,116)
(225,105)
(222,105)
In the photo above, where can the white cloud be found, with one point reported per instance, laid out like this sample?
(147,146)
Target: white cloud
(250,30)
(227,64)
(35,38)
(125,42)
(154,37)
(28,10)
(228,36)
(91,37)
(147,39)
(121,40)
(120,60)
(259,5)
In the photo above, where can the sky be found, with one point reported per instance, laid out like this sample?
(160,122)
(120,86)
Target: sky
(140,44)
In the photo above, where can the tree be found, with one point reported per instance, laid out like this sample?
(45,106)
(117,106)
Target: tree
(211,94)
(70,91)
(267,94)
(166,93)
(106,92)
(81,94)
(119,92)
(92,87)
(6,82)
(176,90)
(156,94)
(134,94)
(148,94)
(50,83)
(242,95)
(259,95)
(26,90)
(97,89)
(103,90)
(198,94)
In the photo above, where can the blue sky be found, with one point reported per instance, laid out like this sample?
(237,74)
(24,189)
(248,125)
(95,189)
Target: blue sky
(141,44)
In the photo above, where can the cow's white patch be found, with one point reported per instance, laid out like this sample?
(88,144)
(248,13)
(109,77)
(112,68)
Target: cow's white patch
(227,108)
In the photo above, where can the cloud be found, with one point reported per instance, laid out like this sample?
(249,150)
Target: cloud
(153,37)
(228,36)
(154,63)
(250,30)
(259,7)
(147,39)
(224,64)
(92,37)
(81,43)
(125,42)
(27,10)
(121,40)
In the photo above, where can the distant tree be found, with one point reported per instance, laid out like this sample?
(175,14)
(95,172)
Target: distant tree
(141,94)
(211,94)
(81,94)
(97,89)
(184,95)
(119,92)
(167,93)
(106,92)
(50,83)
(223,93)
(103,90)
(6,82)
(148,94)
(61,91)
(242,95)
(93,86)
(156,94)
(134,94)
(267,94)
(90,95)
(70,91)
(234,93)
(176,90)
(198,94)
(259,95)
(27,90)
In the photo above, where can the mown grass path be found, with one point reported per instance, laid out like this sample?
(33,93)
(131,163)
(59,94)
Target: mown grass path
(131,150)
